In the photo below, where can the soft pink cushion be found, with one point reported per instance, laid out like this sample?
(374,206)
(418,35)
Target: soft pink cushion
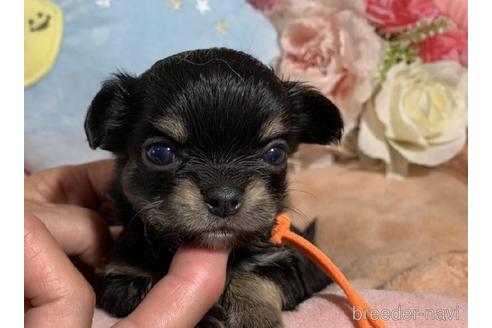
(330,309)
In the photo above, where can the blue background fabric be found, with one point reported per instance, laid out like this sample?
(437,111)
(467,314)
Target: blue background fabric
(101,37)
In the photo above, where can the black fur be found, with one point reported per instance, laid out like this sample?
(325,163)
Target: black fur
(227,109)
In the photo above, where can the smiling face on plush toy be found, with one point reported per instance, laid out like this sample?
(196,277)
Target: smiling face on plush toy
(202,140)
(40,22)
(43,24)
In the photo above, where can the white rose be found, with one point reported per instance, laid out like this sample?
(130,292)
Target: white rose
(419,115)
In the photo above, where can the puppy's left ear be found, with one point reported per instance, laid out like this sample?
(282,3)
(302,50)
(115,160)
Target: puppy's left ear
(316,118)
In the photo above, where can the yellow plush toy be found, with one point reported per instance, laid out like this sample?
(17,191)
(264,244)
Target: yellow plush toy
(43,29)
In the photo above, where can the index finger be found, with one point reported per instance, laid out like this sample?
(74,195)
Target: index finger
(83,185)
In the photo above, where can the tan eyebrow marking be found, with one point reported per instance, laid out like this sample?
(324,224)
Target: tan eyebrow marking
(272,128)
(172,126)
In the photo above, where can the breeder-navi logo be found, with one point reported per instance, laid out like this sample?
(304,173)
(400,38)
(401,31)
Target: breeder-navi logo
(400,313)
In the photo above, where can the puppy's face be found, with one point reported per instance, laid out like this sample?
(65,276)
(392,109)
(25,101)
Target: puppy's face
(202,140)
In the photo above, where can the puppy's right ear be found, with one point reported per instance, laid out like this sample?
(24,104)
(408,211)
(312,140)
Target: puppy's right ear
(107,120)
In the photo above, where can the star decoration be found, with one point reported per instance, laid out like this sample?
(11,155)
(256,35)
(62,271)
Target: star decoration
(104,3)
(221,27)
(175,4)
(202,6)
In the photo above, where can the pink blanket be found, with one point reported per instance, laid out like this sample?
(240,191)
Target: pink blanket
(330,309)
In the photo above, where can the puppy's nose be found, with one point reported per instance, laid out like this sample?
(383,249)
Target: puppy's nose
(223,201)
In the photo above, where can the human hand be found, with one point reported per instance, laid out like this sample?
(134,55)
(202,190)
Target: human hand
(63,218)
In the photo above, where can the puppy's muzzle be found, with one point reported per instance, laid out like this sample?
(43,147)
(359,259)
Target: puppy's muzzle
(223,201)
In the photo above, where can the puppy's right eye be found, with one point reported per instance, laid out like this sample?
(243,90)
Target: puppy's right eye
(160,154)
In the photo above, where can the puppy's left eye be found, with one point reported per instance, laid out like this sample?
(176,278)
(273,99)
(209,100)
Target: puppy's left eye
(160,154)
(275,156)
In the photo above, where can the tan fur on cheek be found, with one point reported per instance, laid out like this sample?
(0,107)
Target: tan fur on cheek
(259,209)
(256,192)
(186,195)
(187,208)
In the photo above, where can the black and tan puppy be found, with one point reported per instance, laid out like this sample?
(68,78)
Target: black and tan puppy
(202,140)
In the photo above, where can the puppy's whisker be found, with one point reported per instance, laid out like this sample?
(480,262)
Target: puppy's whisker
(301,214)
(305,192)
(147,207)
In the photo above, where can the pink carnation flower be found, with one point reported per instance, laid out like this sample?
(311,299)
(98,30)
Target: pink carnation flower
(333,48)
(390,15)
(450,45)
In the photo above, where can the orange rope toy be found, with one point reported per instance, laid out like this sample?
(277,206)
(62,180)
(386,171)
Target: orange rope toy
(281,233)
